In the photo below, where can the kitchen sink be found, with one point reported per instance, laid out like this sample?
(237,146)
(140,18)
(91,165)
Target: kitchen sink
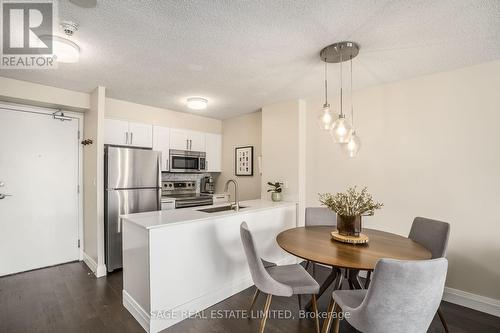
(218,209)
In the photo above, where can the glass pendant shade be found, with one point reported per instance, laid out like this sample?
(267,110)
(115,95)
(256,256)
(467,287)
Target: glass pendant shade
(353,145)
(340,130)
(325,118)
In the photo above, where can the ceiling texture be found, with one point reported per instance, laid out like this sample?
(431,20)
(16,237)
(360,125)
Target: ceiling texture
(242,55)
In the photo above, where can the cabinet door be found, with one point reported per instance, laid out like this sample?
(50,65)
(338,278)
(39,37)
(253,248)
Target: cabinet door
(116,132)
(197,142)
(161,142)
(141,135)
(213,146)
(179,139)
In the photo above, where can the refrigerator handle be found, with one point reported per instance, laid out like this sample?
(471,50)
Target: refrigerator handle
(159,182)
(119,225)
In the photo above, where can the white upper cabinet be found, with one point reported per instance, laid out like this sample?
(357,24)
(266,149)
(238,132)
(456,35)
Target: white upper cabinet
(124,133)
(141,135)
(213,148)
(197,141)
(187,140)
(161,142)
(116,132)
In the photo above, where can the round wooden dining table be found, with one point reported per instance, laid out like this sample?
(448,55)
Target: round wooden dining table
(315,244)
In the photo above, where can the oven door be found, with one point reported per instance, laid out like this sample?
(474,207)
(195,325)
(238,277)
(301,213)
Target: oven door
(184,163)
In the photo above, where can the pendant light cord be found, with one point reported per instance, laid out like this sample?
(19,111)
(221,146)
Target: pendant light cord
(341,112)
(326,82)
(352,107)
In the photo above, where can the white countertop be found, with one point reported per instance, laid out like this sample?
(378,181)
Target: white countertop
(162,218)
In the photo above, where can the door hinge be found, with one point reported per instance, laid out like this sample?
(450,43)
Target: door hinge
(78,243)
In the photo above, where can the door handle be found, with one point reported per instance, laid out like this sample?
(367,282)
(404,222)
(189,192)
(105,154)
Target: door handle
(2,195)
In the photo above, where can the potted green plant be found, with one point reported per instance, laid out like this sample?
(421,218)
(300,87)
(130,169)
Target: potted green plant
(276,189)
(350,206)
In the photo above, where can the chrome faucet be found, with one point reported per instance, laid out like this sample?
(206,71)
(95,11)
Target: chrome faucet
(236,196)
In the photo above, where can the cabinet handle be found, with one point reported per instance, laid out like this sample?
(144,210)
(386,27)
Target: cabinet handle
(166,164)
(126,138)
(187,144)
(131,137)
(190,144)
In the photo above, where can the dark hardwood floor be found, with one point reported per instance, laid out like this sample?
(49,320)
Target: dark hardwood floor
(67,298)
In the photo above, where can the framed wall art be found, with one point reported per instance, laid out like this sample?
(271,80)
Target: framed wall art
(243,164)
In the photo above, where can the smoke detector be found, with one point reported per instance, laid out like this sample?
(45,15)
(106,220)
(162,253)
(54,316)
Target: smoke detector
(69,27)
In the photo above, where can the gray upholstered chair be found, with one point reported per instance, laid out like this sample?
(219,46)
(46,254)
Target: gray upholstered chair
(319,216)
(402,298)
(284,280)
(433,235)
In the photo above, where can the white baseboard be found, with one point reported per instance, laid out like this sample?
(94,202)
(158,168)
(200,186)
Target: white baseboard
(90,262)
(472,301)
(98,270)
(136,310)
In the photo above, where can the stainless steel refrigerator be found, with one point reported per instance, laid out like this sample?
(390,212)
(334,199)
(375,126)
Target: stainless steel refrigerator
(132,184)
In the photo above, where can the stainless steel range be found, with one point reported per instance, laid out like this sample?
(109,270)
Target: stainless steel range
(185,194)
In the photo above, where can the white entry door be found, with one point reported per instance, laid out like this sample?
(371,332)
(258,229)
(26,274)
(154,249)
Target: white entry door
(39,169)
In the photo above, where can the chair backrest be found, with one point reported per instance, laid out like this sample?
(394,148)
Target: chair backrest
(432,234)
(320,216)
(261,278)
(403,296)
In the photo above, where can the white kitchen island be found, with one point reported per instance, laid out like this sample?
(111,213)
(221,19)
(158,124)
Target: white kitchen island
(179,262)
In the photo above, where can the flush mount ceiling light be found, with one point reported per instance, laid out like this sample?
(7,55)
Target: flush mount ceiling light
(197,103)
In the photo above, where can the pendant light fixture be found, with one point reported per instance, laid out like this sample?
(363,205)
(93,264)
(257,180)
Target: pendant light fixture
(351,148)
(340,129)
(325,117)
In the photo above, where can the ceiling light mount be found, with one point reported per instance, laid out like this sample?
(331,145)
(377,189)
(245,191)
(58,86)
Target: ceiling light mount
(339,52)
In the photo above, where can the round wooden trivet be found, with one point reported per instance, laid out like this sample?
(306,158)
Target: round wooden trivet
(362,239)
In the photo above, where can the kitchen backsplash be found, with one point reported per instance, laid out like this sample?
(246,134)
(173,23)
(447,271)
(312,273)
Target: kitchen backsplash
(165,176)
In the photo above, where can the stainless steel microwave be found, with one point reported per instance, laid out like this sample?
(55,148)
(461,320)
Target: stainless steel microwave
(187,161)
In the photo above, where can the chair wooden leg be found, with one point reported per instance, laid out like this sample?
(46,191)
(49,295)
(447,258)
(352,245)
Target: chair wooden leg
(314,269)
(307,264)
(257,291)
(329,315)
(316,314)
(441,317)
(266,313)
(300,301)
(336,323)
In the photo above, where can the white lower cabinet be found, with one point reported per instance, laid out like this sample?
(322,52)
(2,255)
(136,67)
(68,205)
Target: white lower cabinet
(161,142)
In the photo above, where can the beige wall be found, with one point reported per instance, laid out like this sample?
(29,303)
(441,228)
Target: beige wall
(93,182)
(430,147)
(40,95)
(237,132)
(119,109)
(283,150)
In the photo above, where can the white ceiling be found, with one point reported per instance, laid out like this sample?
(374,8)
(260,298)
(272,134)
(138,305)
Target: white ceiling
(242,55)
